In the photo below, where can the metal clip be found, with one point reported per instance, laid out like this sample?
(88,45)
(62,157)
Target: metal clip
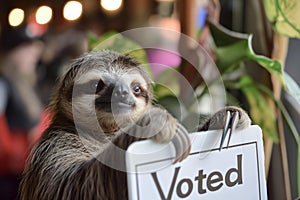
(232,119)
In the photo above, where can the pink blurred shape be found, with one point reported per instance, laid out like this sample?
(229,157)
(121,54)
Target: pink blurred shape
(161,60)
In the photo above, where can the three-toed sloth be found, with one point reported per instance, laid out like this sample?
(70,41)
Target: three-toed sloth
(102,105)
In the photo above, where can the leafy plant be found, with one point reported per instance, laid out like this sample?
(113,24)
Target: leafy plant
(233,48)
(285,18)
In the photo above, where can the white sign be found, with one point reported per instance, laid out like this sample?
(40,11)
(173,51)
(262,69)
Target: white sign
(236,172)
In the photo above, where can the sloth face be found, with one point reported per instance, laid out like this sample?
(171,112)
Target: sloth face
(110,88)
(112,93)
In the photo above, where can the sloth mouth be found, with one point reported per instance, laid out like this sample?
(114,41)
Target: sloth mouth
(115,107)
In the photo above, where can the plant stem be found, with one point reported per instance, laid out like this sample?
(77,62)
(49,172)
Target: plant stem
(290,125)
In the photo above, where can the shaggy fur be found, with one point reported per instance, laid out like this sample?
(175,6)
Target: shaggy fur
(81,154)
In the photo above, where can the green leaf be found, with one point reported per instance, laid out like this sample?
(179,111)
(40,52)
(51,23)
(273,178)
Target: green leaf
(116,42)
(172,104)
(233,48)
(284,16)
(273,66)
(92,39)
(223,36)
(103,38)
(271,10)
(260,111)
(164,85)
(292,87)
(160,91)
(230,55)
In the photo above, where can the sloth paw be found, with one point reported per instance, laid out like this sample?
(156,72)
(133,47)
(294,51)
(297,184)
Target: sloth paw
(170,130)
(229,115)
(236,118)
(228,119)
(158,125)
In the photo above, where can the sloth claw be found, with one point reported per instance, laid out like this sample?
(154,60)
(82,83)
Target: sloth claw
(182,144)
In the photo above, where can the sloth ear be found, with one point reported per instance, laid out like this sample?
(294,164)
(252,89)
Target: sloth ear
(67,81)
(72,71)
(64,89)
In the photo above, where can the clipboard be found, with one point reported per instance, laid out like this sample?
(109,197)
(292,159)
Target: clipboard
(235,172)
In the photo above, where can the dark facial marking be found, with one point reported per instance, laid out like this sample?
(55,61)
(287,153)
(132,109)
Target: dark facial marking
(145,95)
(91,87)
(139,91)
(100,86)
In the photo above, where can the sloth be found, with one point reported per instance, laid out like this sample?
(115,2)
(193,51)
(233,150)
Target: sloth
(102,104)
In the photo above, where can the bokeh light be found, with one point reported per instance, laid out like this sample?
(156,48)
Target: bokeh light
(16,17)
(43,15)
(72,10)
(111,5)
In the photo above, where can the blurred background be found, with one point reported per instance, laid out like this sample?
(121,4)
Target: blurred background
(38,38)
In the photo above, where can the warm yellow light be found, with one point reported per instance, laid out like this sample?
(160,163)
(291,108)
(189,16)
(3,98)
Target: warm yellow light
(43,15)
(16,17)
(72,10)
(111,5)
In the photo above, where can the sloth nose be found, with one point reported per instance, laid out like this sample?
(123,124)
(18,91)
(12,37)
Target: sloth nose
(121,92)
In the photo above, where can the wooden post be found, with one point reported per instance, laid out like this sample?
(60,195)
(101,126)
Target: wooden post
(279,53)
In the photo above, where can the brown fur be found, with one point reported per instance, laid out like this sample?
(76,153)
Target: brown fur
(75,159)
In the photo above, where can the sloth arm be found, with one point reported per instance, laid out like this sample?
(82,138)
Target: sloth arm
(62,167)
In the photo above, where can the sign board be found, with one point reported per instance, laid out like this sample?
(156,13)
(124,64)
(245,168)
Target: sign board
(235,172)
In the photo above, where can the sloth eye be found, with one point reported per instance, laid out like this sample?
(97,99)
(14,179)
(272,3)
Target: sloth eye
(97,85)
(137,90)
